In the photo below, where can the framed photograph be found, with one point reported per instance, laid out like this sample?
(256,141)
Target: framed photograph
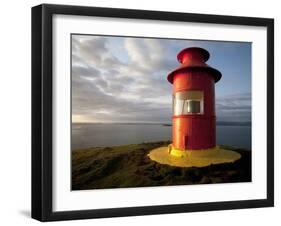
(145,112)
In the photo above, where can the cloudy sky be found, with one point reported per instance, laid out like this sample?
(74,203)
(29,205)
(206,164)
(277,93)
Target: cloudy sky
(123,79)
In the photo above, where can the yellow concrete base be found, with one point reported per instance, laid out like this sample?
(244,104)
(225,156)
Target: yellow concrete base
(190,158)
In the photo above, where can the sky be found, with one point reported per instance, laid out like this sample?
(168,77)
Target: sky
(124,79)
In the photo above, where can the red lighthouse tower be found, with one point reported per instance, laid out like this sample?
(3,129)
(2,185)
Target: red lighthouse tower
(194,120)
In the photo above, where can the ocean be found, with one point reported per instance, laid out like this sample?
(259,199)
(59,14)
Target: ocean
(85,135)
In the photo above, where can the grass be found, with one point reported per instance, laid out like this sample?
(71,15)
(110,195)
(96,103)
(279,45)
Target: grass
(128,166)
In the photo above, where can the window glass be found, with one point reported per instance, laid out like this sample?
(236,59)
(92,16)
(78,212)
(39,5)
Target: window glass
(193,106)
(178,106)
(188,102)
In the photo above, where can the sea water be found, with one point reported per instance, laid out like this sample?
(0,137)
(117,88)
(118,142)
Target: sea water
(85,135)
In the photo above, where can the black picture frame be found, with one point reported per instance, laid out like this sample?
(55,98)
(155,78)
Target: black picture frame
(42,111)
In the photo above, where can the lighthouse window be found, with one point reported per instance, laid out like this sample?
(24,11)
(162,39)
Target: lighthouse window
(188,102)
(193,106)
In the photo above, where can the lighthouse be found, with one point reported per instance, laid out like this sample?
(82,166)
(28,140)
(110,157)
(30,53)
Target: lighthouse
(194,118)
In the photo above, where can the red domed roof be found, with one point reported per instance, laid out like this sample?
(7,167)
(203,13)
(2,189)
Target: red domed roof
(194,58)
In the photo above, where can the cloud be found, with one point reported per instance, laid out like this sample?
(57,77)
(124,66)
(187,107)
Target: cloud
(147,55)
(235,108)
(104,88)
(124,80)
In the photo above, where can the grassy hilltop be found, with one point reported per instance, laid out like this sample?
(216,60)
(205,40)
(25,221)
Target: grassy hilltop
(128,166)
